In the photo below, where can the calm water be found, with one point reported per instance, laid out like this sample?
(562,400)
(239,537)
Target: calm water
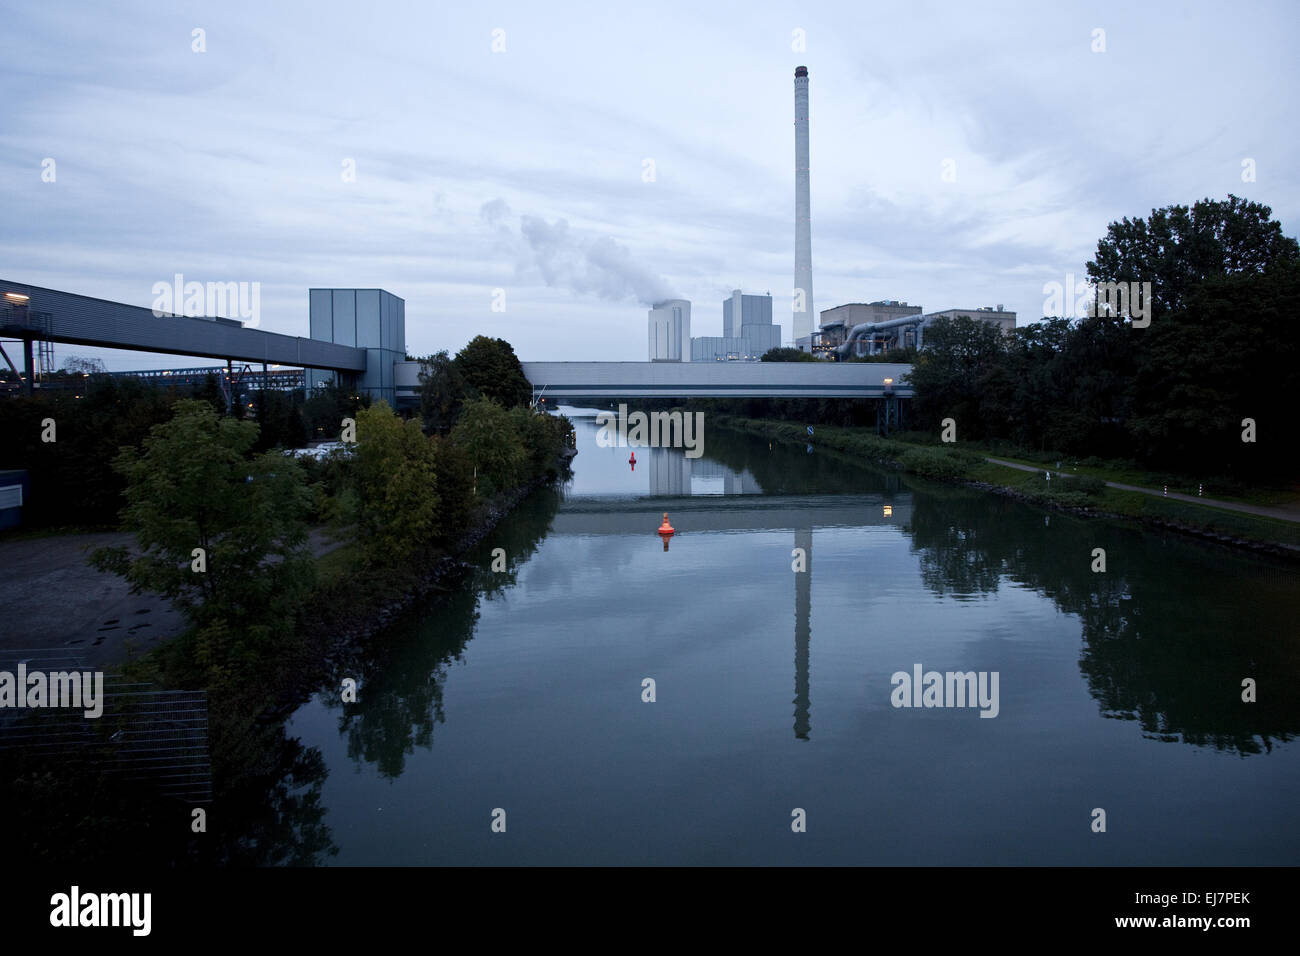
(1119,691)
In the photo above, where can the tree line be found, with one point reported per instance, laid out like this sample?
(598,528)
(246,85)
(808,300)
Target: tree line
(1219,361)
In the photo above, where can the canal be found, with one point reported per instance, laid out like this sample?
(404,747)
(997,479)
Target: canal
(520,701)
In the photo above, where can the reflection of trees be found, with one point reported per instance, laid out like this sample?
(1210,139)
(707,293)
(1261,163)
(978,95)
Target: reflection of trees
(788,469)
(1150,654)
(519,537)
(266,808)
(67,809)
(274,792)
(400,674)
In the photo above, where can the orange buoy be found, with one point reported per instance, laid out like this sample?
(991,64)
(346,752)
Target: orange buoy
(666,528)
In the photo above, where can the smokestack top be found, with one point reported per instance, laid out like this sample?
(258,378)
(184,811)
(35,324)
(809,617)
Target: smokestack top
(800,71)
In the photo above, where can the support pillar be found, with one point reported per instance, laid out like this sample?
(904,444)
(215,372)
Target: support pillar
(28,368)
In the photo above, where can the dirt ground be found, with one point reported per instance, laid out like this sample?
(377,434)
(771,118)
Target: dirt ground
(50,597)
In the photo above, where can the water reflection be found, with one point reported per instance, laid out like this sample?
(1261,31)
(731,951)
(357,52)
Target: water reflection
(802,634)
(1165,647)
(403,671)
(1167,633)
(1173,666)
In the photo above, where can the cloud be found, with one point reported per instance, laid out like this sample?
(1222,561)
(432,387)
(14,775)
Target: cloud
(566,258)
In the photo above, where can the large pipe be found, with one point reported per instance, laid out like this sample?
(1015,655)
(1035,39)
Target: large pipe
(802,324)
(870,327)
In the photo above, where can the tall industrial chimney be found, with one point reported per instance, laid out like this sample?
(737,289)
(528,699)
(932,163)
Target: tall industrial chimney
(803,320)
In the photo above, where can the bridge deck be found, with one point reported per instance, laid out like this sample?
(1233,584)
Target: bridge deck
(81,320)
(717,379)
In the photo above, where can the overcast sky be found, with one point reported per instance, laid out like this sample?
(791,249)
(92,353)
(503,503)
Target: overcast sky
(525,169)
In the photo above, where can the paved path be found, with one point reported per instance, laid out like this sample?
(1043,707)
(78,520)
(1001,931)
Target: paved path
(1282,514)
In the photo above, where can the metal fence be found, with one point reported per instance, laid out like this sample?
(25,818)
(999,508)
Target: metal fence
(156,738)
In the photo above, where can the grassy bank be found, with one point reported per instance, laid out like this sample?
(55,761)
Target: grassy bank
(1086,495)
(1125,472)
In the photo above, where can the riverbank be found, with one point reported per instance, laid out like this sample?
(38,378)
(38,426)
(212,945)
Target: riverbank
(1087,497)
(350,604)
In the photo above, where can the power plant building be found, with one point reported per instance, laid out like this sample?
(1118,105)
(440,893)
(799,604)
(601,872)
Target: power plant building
(747,331)
(669,331)
(839,322)
(876,327)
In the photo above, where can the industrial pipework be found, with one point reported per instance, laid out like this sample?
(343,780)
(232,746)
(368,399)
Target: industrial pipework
(868,328)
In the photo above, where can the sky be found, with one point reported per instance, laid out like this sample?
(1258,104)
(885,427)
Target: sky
(585,159)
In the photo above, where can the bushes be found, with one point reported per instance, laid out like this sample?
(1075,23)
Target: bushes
(933,463)
(544,437)
(1090,485)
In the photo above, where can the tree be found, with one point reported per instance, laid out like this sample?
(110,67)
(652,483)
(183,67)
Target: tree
(72,479)
(488,437)
(1232,352)
(544,437)
(1176,248)
(194,486)
(1221,344)
(442,392)
(280,420)
(788,355)
(396,495)
(84,366)
(490,367)
(327,406)
(953,374)
(904,356)
(455,486)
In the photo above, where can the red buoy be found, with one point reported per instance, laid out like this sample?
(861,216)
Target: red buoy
(666,528)
(632,460)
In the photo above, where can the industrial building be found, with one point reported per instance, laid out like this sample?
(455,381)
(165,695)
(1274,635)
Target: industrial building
(837,325)
(747,331)
(369,319)
(876,327)
(669,331)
